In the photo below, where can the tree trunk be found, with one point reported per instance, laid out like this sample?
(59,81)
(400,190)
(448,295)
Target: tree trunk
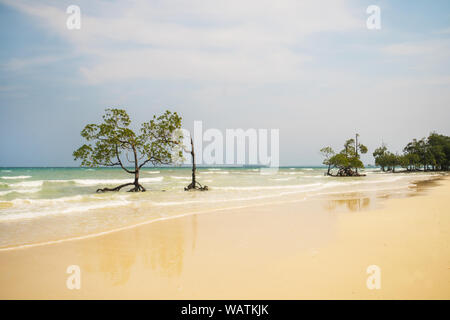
(356,150)
(194,183)
(137,187)
(193,163)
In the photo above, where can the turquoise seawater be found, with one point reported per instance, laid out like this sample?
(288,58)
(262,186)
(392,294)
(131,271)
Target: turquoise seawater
(39,205)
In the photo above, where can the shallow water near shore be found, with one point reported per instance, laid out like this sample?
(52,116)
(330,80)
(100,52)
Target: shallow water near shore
(39,205)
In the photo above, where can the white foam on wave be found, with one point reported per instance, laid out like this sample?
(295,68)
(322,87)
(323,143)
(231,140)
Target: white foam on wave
(292,173)
(215,172)
(180,178)
(282,179)
(83,182)
(2,193)
(16,177)
(6,171)
(95,182)
(46,211)
(256,188)
(44,202)
(28,184)
(151,172)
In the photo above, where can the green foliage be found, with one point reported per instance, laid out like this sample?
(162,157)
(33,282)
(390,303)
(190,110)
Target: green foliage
(432,153)
(340,160)
(346,160)
(380,156)
(112,138)
(327,153)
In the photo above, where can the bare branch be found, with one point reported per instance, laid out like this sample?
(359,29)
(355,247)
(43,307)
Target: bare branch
(120,162)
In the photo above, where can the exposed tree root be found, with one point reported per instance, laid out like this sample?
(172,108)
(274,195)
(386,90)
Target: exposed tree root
(196,186)
(346,172)
(137,187)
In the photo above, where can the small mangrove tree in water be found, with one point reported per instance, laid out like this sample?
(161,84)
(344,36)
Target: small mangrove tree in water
(111,140)
(347,161)
(194,185)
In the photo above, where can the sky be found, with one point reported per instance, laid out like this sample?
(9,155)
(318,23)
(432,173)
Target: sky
(311,69)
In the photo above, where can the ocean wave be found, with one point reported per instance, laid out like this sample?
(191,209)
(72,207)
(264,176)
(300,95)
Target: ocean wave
(96,182)
(81,182)
(215,172)
(151,172)
(180,178)
(292,173)
(6,171)
(21,203)
(28,184)
(256,188)
(15,177)
(40,212)
(3,193)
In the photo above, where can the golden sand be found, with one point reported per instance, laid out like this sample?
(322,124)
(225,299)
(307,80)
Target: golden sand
(318,249)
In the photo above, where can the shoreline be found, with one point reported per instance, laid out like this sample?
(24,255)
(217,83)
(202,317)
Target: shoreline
(182,215)
(269,251)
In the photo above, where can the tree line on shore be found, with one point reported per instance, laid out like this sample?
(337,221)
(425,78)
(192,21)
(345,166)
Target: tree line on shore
(427,154)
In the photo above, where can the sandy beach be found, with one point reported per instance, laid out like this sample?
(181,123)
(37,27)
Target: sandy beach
(318,249)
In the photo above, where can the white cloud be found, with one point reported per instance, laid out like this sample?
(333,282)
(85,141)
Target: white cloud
(23,63)
(415,48)
(199,40)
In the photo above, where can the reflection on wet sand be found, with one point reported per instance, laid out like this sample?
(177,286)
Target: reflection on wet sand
(422,186)
(357,201)
(350,204)
(351,201)
(159,249)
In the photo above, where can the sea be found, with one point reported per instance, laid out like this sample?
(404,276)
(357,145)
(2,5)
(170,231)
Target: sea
(49,205)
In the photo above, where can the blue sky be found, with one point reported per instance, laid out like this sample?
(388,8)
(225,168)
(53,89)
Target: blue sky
(309,68)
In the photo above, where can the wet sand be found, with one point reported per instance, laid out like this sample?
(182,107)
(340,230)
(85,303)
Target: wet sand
(316,249)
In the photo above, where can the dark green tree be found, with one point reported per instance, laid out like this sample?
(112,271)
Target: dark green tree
(432,153)
(348,160)
(112,139)
(327,153)
(380,157)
